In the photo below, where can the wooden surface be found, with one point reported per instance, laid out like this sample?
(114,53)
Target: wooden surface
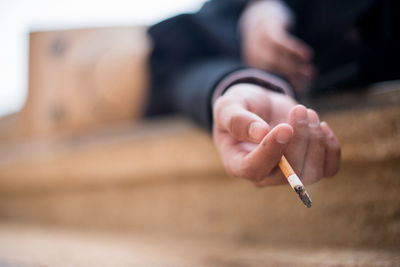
(175,148)
(80,79)
(24,246)
(117,155)
(165,177)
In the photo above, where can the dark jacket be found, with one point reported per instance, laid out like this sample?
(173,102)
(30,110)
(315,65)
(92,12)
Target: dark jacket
(193,52)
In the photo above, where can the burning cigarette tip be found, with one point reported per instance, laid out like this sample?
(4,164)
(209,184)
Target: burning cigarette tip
(303,195)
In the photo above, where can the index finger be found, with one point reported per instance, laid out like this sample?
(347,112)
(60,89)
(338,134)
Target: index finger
(261,161)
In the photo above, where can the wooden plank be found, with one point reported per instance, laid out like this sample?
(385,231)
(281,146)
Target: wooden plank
(357,209)
(164,149)
(124,154)
(166,177)
(23,245)
(80,79)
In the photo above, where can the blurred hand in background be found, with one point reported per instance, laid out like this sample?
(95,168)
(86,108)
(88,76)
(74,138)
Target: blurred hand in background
(268,45)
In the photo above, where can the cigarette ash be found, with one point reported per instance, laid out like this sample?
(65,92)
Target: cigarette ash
(303,195)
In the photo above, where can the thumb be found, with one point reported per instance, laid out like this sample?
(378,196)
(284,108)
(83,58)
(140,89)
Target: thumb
(242,124)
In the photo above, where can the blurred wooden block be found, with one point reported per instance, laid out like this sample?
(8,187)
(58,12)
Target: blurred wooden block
(151,151)
(79,79)
(9,127)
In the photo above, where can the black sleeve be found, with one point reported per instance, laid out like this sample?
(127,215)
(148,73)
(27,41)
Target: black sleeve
(191,54)
(193,91)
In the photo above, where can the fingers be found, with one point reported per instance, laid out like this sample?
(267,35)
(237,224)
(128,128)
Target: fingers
(310,146)
(298,73)
(314,151)
(333,152)
(296,47)
(261,161)
(297,149)
(288,55)
(251,150)
(315,158)
(241,124)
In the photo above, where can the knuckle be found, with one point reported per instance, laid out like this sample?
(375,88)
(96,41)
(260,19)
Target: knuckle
(301,133)
(234,125)
(218,107)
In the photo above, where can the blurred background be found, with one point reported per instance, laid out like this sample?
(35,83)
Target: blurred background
(19,17)
(82,183)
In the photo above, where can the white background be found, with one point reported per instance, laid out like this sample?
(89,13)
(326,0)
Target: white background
(18,17)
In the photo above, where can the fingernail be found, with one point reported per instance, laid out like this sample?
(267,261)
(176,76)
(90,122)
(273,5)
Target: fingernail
(283,136)
(300,114)
(313,120)
(255,130)
(327,131)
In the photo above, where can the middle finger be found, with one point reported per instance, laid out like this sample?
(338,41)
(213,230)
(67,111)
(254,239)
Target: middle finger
(296,151)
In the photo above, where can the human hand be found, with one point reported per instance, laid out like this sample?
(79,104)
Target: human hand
(267,44)
(253,127)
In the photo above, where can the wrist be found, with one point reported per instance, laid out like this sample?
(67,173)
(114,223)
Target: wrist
(252,76)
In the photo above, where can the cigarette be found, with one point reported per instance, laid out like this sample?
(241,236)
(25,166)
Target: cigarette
(295,182)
